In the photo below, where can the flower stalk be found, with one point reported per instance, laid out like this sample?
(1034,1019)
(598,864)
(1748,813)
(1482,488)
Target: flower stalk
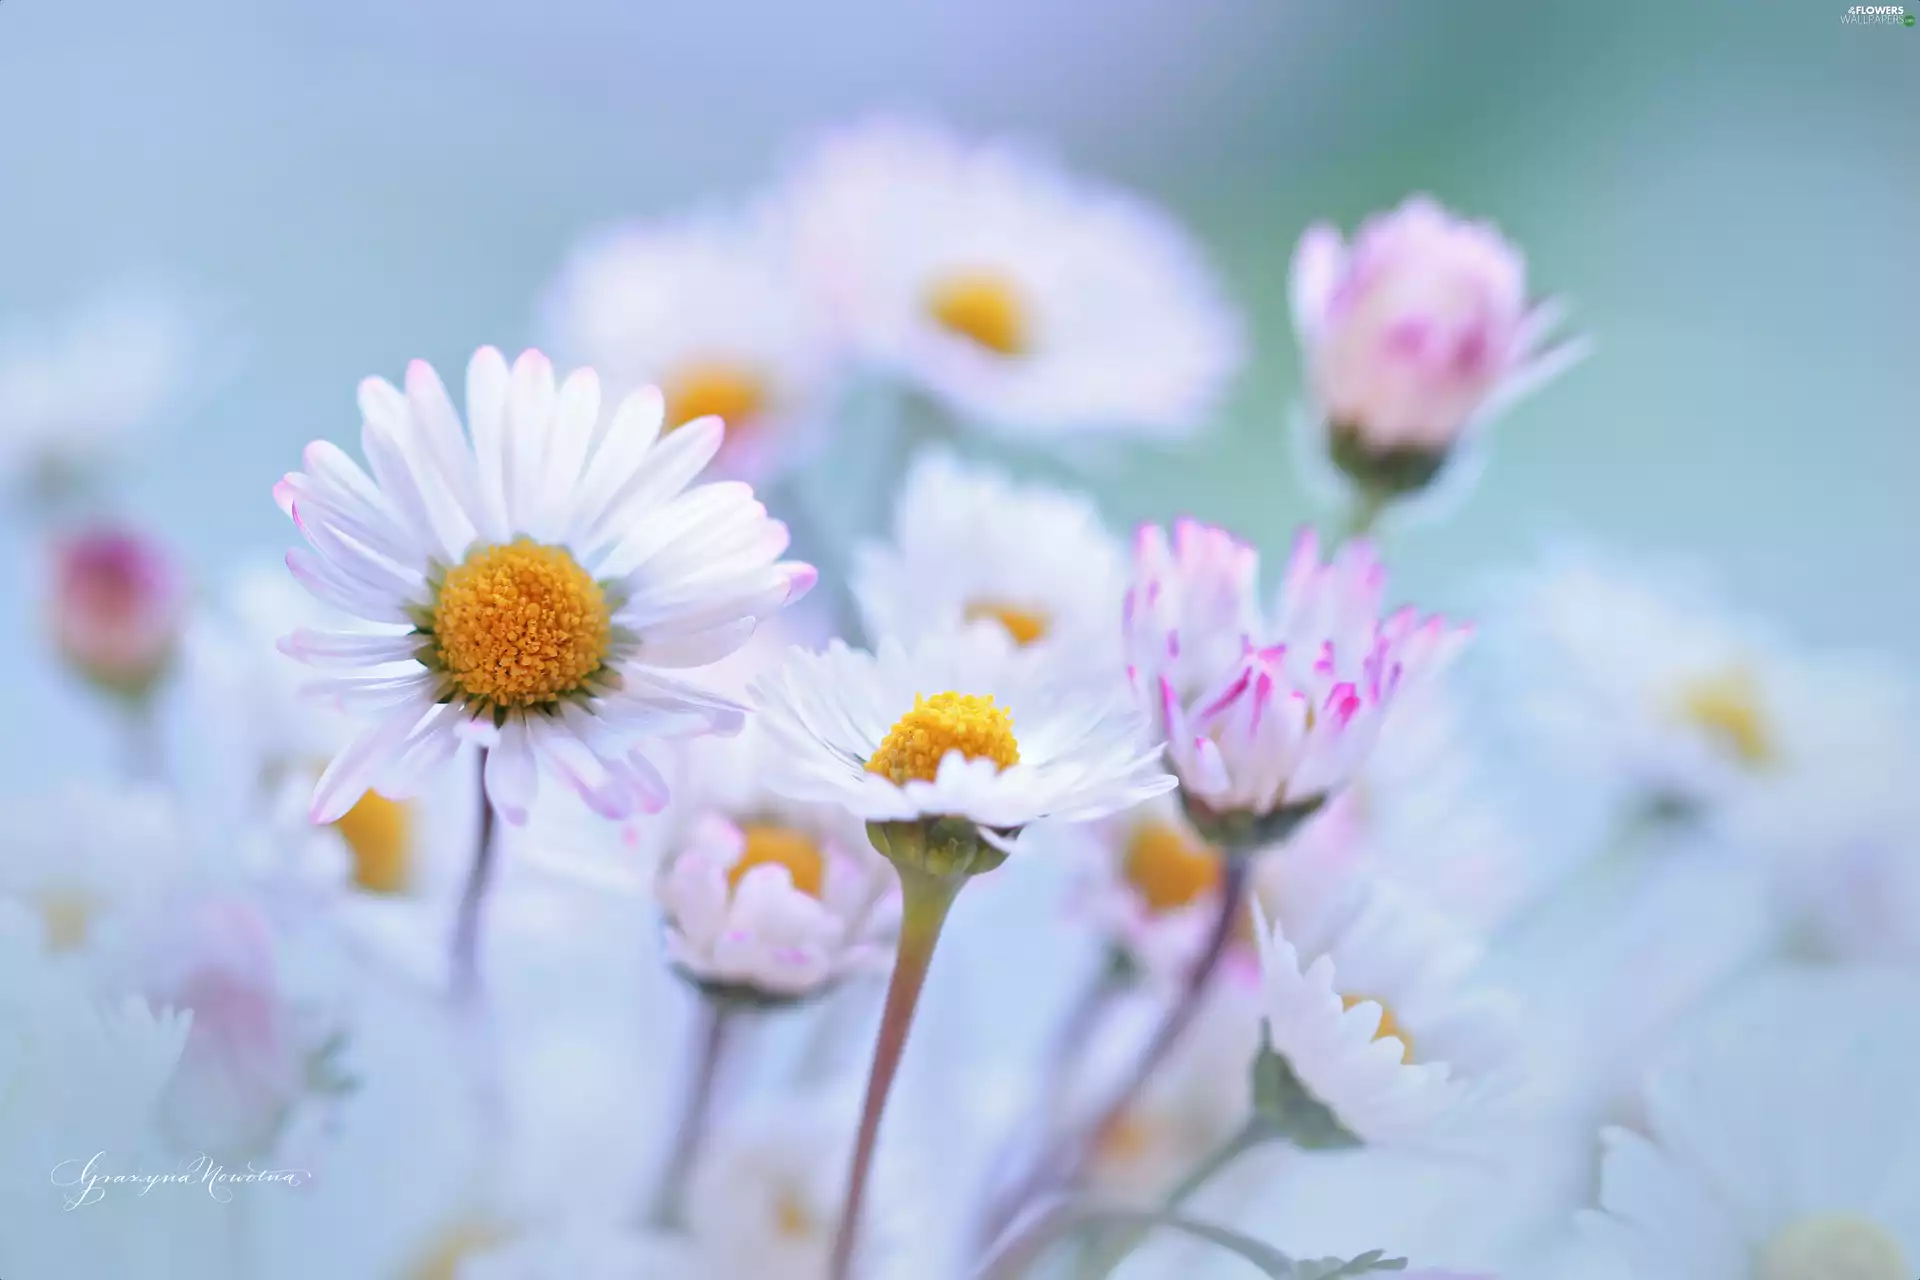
(926,897)
(669,1198)
(466,930)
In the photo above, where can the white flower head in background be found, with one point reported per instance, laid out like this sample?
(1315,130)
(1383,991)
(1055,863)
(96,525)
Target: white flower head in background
(705,308)
(82,855)
(1381,1030)
(1415,334)
(1023,298)
(766,899)
(538,584)
(1786,1145)
(1267,712)
(965,733)
(1639,675)
(971,546)
(77,393)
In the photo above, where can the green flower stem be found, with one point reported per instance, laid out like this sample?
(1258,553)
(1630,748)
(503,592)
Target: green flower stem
(1257,1133)
(925,900)
(1019,1254)
(466,929)
(669,1196)
(1370,502)
(1068,1167)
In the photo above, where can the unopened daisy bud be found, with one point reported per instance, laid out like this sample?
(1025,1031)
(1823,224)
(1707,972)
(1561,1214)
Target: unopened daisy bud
(1413,334)
(116,608)
(1267,714)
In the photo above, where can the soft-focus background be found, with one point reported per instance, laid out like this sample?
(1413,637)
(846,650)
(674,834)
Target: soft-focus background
(1725,191)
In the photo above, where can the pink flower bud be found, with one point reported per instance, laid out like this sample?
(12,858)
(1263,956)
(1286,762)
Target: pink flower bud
(116,609)
(1414,333)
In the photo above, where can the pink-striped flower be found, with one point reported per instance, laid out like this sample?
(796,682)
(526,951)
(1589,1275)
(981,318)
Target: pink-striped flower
(1267,712)
(116,608)
(1415,332)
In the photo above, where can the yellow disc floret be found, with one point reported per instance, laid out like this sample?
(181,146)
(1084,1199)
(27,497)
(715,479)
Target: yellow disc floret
(1169,868)
(775,846)
(963,722)
(982,306)
(1726,707)
(520,624)
(1024,625)
(723,389)
(379,834)
(1389,1025)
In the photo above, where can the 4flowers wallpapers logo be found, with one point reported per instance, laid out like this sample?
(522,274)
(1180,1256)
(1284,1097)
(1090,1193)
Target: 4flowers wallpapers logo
(541,755)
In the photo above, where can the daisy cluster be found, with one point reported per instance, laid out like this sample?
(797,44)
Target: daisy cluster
(539,877)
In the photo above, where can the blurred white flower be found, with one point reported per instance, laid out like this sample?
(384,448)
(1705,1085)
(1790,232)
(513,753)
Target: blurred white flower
(75,394)
(1416,333)
(1198,1100)
(1639,679)
(1781,1143)
(574,1252)
(1025,299)
(707,309)
(965,725)
(76,1078)
(1266,714)
(255,1051)
(971,546)
(1381,1029)
(82,855)
(537,582)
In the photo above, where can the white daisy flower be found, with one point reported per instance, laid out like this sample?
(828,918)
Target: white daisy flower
(83,855)
(537,584)
(1378,1028)
(1636,676)
(75,395)
(1267,713)
(1786,1145)
(580,1252)
(964,726)
(1042,564)
(764,898)
(705,308)
(1024,298)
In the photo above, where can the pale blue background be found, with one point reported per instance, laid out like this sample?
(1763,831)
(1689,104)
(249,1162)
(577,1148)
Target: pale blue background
(1726,191)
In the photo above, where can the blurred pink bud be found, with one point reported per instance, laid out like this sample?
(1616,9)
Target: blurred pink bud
(116,609)
(244,1066)
(1412,334)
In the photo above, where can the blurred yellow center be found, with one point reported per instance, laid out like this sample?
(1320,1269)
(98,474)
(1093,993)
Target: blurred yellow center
(791,1217)
(66,916)
(963,722)
(1169,868)
(379,834)
(1833,1246)
(1389,1025)
(521,624)
(982,306)
(1024,625)
(772,846)
(730,392)
(1727,708)
(1125,1140)
(449,1251)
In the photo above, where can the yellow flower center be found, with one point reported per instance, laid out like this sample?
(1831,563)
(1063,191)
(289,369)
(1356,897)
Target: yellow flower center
(66,916)
(963,722)
(1168,867)
(1024,625)
(454,1247)
(1127,1139)
(1834,1246)
(982,306)
(379,834)
(772,846)
(729,391)
(791,1217)
(520,625)
(1726,707)
(1389,1025)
